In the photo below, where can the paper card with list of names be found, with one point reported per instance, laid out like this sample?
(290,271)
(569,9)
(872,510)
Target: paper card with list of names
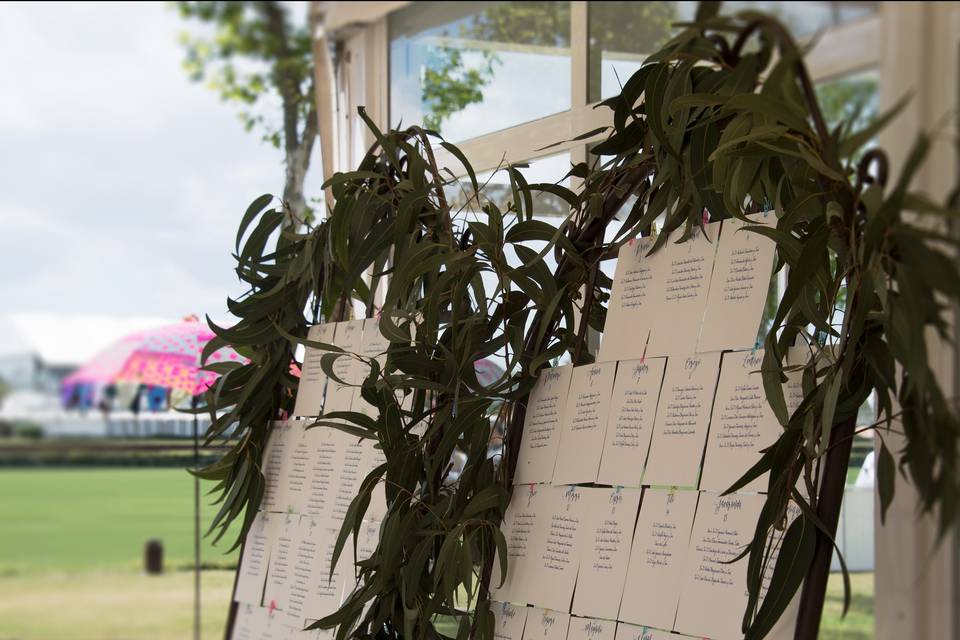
(544,624)
(276,464)
(256,558)
(683,416)
(658,557)
(784,628)
(551,583)
(313,461)
(508,620)
(524,527)
(325,592)
(249,622)
(713,591)
(347,368)
(797,357)
(634,632)
(742,424)
(282,557)
(610,515)
(306,552)
(738,290)
(591,629)
(584,423)
(680,299)
(630,312)
(633,408)
(541,426)
(313,380)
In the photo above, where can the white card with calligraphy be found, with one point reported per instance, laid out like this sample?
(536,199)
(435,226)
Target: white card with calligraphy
(347,369)
(658,557)
(630,309)
(313,380)
(508,620)
(554,576)
(256,558)
(683,416)
(276,464)
(610,517)
(738,290)
(633,408)
(591,629)
(584,423)
(742,424)
(541,426)
(525,525)
(634,632)
(680,300)
(544,624)
(713,595)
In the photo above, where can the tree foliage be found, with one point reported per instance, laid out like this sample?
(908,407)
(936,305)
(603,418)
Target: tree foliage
(723,118)
(259,53)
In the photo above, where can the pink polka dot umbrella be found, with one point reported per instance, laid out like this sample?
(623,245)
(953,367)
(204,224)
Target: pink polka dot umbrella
(167,357)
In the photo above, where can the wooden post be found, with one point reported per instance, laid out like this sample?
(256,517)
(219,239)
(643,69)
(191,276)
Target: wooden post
(153,557)
(829,502)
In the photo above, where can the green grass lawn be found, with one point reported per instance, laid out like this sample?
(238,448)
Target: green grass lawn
(71,543)
(858,624)
(72,520)
(125,605)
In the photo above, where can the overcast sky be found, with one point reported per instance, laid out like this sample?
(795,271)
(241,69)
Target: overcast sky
(121,182)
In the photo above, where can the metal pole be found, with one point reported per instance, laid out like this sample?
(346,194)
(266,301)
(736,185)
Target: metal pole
(196,524)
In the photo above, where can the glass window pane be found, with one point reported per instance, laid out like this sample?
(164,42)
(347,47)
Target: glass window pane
(854,96)
(470,68)
(622,34)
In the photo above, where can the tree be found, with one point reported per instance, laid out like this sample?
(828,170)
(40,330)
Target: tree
(258,51)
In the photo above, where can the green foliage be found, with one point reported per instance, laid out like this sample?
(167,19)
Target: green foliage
(723,118)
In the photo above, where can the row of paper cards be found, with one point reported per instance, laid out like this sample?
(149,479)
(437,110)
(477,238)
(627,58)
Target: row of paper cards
(702,295)
(317,471)
(286,570)
(647,422)
(652,557)
(316,391)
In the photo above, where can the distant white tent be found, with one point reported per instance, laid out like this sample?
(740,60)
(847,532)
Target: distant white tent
(66,340)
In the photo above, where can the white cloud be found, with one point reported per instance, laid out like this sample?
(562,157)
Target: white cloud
(121,182)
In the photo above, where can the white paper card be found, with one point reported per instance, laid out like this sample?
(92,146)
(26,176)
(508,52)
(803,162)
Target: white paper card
(555,575)
(310,478)
(633,408)
(282,557)
(543,624)
(275,467)
(683,415)
(610,517)
(713,592)
(633,632)
(658,557)
(630,311)
(681,298)
(584,423)
(313,380)
(525,523)
(249,623)
(325,593)
(742,424)
(738,290)
(508,621)
(541,426)
(591,629)
(256,558)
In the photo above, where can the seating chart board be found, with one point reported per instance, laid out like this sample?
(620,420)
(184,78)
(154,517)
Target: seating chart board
(618,528)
